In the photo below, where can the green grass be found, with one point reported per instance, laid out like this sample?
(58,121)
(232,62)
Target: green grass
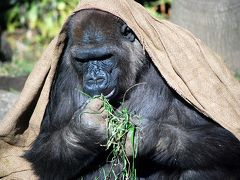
(119,125)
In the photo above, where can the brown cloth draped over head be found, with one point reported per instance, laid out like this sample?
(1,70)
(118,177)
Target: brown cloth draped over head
(194,71)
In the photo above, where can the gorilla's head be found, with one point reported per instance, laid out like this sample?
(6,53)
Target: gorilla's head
(105,53)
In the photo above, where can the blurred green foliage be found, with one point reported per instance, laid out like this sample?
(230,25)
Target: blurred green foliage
(153,12)
(47,16)
(44,16)
(16,68)
(237,75)
(165,1)
(151,2)
(144,2)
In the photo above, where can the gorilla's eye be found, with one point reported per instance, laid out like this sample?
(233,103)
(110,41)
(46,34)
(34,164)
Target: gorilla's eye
(80,60)
(128,33)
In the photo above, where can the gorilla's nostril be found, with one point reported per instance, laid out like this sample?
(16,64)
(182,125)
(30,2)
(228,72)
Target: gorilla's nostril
(99,80)
(95,80)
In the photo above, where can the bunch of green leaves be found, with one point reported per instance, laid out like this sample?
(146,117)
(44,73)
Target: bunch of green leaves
(44,16)
(119,125)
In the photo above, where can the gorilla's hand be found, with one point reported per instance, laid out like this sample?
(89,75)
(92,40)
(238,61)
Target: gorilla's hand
(93,119)
(94,115)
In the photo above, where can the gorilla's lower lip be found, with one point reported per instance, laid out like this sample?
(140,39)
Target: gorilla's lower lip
(110,94)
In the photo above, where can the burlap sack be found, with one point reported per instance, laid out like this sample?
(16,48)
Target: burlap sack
(190,68)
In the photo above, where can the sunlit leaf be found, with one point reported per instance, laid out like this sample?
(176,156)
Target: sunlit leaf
(33,16)
(61,6)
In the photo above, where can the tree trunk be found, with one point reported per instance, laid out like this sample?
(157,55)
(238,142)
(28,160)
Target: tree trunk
(216,22)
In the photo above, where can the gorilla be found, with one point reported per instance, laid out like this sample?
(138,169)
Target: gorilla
(102,55)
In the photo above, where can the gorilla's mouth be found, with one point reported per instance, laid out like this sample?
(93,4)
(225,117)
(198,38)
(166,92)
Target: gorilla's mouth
(110,94)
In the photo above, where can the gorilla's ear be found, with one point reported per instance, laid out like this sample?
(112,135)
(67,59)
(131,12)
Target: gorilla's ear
(128,33)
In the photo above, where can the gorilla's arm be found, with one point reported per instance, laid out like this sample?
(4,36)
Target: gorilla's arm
(63,153)
(172,134)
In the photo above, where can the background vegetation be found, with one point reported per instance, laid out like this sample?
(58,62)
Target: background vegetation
(43,16)
(27,27)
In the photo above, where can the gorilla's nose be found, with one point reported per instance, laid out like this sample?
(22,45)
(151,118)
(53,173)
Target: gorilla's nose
(95,82)
(98,80)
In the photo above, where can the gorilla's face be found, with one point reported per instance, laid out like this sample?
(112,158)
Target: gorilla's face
(105,53)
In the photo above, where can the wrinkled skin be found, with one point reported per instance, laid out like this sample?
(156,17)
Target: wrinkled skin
(103,56)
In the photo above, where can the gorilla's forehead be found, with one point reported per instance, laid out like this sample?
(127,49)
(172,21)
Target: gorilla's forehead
(92,26)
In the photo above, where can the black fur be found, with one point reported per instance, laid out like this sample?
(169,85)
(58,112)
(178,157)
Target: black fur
(175,141)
